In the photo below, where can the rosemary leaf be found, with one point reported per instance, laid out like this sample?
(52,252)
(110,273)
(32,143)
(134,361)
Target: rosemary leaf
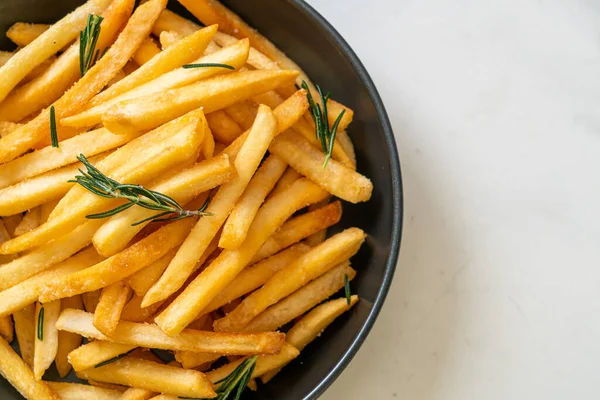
(347,289)
(53,132)
(208,65)
(237,380)
(88,39)
(112,360)
(40,325)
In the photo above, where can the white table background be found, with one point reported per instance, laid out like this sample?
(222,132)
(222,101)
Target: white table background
(496,109)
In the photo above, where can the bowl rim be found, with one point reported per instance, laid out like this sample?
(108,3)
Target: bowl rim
(397,195)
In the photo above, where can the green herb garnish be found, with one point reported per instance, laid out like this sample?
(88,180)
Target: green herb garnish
(208,65)
(347,289)
(53,132)
(325,134)
(136,195)
(112,360)
(88,38)
(40,327)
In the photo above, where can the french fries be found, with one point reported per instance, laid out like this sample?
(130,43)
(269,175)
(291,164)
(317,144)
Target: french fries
(67,341)
(14,370)
(30,221)
(137,394)
(21,33)
(143,280)
(147,50)
(25,331)
(151,336)
(135,372)
(110,306)
(225,129)
(76,391)
(6,328)
(204,231)
(168,39)
(95,353)
(46,338)
(316,262)
(287,178)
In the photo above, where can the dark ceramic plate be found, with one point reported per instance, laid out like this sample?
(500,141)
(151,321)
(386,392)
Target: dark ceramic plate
(314,44)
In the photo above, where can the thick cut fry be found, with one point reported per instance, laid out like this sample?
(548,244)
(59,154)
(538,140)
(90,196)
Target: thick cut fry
(300,227)
(131,371)
(313,264)
(301,300)
(212,94)
(185,51)
(25,331)
(26,292)
(163,148)
(77,391)
(336,178)
(15,371)
(256,275)
(67,341)
(45,256)
(39,190)
(110,306)
(238,223)
(198,294)
(91,300)
(225,129)
(243,113)
(151,336)
(21,33)
(205,230)
(47,44)
(121,265)
(233,55)
(6,328)
(143,280)
(147,50)
(287,179)
(46,338)
(30,221)
(95,353)
(49,158)
(313,324)
(263,365)
(118,231)
(137,394)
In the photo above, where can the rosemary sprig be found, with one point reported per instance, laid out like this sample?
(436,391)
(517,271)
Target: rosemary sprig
(347,289)
(325,134)
(112,360)
(237,380)
(101,185)
(88,38)
(53,132)
(40,327)
(207,65)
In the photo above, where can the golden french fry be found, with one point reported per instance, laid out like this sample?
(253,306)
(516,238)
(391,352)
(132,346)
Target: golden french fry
(26,292)
(11,222)
(300,227)
(77,391)
(243,113)
(110,306)
(320,236)
(41,189)
(211,94)
(313,264)
(25,331)
(151,336)
(47,44)
(96,353)
(248,159)
(263,365)
(67,341)
(118,231)
(46,210)
(21,33)
(30,221)
(345,143)
(4,57)
(147,50)
(137,394)
(233,55)
(256,275)
(336,178)
(6,328)
(169,21)
(91,300)
(169,38)
(202,290)
(7,127)
(121,265)
(208,145)
(256,59)
(312,325)
(35,163)
(287,179)
(45,256)
(143,280)
(46,338)
(131,371)
(4,236)
(225,129)
(134,312)
(39,70)
(301,300)
(163,148)
(193,360)
(15,371)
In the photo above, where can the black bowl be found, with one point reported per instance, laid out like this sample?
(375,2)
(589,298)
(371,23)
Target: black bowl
(312,42)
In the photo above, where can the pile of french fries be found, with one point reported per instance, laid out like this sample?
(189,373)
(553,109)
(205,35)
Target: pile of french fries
(232,136)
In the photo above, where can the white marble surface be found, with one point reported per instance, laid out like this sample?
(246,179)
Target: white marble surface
(496,109)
